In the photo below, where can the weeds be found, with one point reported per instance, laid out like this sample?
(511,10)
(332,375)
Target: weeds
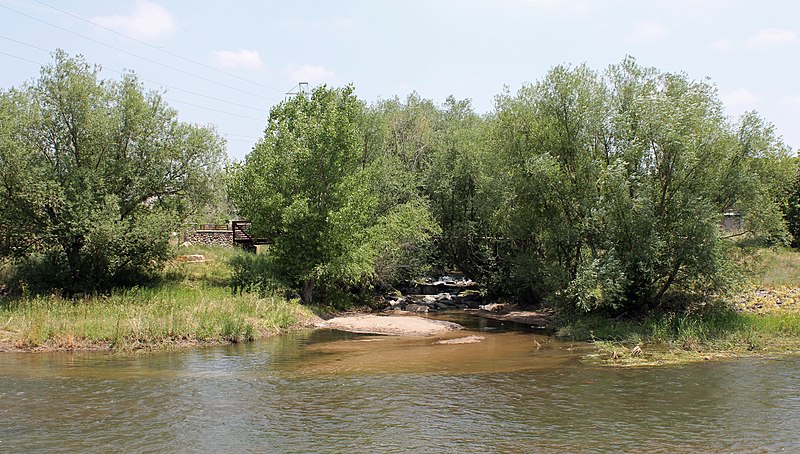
(192,304)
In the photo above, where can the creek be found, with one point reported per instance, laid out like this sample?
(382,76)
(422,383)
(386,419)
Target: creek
(329,391)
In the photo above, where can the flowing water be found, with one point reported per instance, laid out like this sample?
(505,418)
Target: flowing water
(327,391)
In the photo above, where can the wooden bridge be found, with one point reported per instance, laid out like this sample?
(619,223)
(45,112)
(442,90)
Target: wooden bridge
(243,239)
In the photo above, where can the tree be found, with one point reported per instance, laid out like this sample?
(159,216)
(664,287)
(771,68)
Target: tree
(618,183)
(95,174)
(311,186)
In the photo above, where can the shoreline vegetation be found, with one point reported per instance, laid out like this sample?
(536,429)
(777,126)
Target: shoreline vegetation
(760,318)
(622,200)
(193,305)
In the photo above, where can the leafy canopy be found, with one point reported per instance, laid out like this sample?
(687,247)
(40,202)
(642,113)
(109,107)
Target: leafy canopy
(311,187)
(94,174)
(618,183)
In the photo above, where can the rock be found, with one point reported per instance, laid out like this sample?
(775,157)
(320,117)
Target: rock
(636,351)
(417,308)
(469,295)
(186,244)
(493,307)
(462,340)
(532,318)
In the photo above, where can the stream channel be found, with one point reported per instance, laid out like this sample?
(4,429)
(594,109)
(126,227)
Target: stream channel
(330,391)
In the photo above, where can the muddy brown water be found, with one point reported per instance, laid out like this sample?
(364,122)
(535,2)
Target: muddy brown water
(327,391)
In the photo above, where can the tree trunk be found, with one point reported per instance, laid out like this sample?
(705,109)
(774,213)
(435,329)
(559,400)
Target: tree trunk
(73,252)
(308,290)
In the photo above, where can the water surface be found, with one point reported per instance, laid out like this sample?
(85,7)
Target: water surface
(326,391)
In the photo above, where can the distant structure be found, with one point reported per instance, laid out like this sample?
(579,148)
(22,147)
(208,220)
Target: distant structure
(732,221)
(300,89)
(236,233)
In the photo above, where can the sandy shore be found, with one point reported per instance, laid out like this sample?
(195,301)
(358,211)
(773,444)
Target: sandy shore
(406,325)
(537,319)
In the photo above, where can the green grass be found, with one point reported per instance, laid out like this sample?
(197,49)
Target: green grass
(191,305)
(762,319)
(668,338)
(776,267)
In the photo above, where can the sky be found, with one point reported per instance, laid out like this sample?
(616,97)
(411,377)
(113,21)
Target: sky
(228,63)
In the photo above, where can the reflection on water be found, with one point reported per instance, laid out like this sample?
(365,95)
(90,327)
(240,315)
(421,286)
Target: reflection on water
(329,391)
(496,353)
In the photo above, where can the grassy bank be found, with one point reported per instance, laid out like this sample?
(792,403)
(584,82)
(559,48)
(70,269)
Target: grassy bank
(192,304)
(761,318)
(676,338)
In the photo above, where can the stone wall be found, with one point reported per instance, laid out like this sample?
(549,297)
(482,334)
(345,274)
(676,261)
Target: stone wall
(210,237)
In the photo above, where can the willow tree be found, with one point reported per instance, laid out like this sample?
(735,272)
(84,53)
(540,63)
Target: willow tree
(309,185)
(619,181)
(95,174)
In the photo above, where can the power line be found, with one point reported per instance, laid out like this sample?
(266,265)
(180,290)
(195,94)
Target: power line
(137,56)
(21,58)
(215,110)
(242,138)
(26,44)
(197,35)
(171,100)
(168,52)
(192,92)
(241,135)
(147,80)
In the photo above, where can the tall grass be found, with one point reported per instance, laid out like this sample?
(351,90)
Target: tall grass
(149,318)
(776,267)
(681,337)
(192,304)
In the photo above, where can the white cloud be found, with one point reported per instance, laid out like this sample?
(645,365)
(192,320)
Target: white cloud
(242,58)
(649,30)
(721,45)
(309,73)
(792,100)
(147,21)
(770,37)
(741,97)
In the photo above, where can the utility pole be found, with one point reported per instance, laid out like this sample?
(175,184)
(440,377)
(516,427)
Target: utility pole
(300,89)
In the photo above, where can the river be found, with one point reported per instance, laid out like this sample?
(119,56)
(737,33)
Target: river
(327,391)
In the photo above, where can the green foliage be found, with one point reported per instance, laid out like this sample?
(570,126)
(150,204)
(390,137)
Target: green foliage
(252,273)
(792,210)
(191,303)
(595,191)
(312,186)
(94,174)
(617,185)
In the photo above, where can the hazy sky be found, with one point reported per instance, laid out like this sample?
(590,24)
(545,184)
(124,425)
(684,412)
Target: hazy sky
(227,63)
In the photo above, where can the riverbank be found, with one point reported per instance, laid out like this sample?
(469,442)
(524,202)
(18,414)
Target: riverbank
(711,333)
(761,319)
(191,305)
(396,325)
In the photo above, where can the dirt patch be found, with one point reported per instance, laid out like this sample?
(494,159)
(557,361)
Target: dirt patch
(390,325)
